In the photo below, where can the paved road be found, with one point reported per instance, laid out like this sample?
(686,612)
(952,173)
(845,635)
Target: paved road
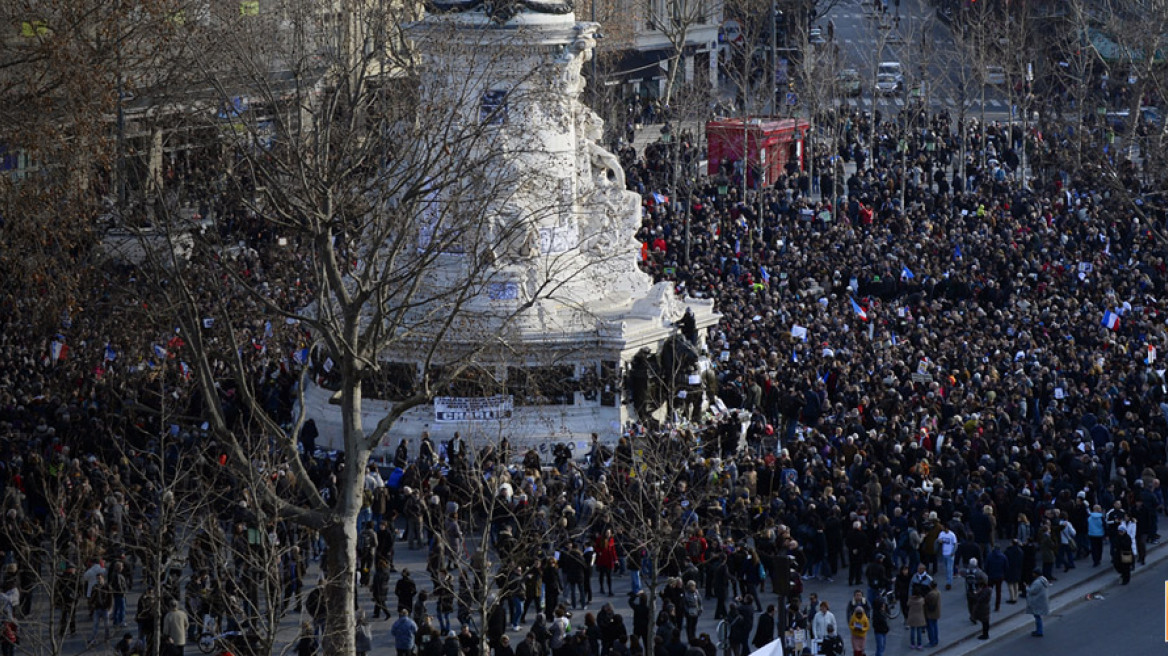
(925,48)
(1129,620)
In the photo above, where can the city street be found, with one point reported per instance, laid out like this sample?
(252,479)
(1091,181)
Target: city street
(1127,620)
(922,44)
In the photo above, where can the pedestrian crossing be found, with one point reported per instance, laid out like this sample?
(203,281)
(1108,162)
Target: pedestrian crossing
(991,104)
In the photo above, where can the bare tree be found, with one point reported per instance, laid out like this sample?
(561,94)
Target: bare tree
(401,202)
(676,20)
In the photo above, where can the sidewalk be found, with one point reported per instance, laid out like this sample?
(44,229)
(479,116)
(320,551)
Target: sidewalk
(1070,590)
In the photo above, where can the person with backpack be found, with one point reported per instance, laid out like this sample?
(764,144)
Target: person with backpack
(975,578)
(366,550)
(833,644)
(560,630)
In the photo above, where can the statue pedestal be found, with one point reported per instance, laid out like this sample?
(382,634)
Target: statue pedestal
(564,307)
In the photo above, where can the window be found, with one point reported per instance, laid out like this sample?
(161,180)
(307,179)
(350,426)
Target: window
(493,107)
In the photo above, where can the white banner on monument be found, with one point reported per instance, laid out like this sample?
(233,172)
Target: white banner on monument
(457,408)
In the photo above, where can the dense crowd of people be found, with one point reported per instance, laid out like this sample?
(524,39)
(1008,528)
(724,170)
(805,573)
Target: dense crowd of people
(963,390)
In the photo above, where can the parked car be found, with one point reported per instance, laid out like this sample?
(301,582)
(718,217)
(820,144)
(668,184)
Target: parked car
(847,82)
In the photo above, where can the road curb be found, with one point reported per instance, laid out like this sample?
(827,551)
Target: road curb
(1061,600)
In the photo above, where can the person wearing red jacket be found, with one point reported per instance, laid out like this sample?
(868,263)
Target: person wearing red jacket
(605,558)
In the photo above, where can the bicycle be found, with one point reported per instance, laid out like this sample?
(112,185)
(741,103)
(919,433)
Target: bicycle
(218,643)
(888,596)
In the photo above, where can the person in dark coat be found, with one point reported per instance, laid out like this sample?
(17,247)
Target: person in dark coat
(764,633)
(379,589)
(857,544)
(1014,558)
(720,582)
(740,626)
(880,626)
(981,609)
(995,569)
(504,647)
(496,624)
(405,590)
(640,606)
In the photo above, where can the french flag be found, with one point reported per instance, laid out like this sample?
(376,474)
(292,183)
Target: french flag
(1111,320)
(858,310)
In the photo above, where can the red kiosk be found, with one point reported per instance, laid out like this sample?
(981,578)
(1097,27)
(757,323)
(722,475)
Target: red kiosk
(770,144)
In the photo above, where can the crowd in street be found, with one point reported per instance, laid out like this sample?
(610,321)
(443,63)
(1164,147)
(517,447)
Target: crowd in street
(962,391)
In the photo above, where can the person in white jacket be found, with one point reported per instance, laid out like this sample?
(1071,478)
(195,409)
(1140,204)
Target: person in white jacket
(823,619)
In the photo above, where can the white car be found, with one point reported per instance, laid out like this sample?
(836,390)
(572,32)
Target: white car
(891,68)
(887,84)
(889,78)
(995,75)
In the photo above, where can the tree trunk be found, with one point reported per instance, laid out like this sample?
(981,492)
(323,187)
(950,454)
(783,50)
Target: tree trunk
(340,536)
(340,587)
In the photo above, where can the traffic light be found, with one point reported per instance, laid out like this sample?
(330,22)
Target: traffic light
(793,572)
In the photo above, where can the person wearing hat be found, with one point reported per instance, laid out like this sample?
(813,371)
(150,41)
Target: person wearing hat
(175,624)
(405,590)
(1122,555)
(1037,601)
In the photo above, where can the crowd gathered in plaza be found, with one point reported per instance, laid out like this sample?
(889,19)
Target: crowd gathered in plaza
(960,392)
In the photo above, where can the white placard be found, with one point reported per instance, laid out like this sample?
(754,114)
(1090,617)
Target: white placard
(489,408)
